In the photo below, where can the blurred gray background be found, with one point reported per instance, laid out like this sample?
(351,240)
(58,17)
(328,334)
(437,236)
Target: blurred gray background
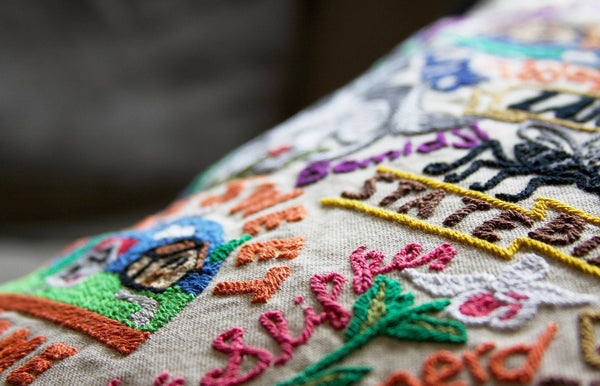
(108,108)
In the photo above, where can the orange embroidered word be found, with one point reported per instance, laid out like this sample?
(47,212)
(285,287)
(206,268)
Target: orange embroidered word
(440,367)
(15,346)
(283,249)
(273,220)
(234,188)
(554,238)
(263,197)
(27,373)
(262,289)
(547,72)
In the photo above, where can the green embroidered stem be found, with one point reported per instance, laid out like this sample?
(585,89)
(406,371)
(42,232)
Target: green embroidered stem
(222,251)
(385,311)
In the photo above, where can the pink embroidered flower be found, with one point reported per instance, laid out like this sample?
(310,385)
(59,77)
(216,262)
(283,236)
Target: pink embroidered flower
(504,301)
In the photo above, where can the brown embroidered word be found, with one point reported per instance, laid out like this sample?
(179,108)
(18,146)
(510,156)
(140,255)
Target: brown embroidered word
(440,367)
(273,220)
(551,238)
(283,249)
(262,289)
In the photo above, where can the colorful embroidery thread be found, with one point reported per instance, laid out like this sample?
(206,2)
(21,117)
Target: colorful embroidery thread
(365,271)
(262,289)
(537,213)
(384,311)
(27,373)
(283,249)
(507,300)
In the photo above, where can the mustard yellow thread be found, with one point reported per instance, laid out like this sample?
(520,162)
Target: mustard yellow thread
(494,111)
(504,252)
(540,207)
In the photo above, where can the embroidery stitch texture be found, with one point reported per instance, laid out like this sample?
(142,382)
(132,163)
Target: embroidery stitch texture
(384,311)
(507,300)
(538,212)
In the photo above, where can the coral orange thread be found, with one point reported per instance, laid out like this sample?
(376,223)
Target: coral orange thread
(401,378)
(263,197)
(236,350)
(105,330)
(234,188)
(15,347)
(262,289)
(283,249)
(365,271)
(27,373)
(273,220)
(471,361)
(450,367)
(534,353)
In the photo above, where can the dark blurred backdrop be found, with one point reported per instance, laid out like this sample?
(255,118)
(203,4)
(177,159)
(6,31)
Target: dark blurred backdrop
(108,108)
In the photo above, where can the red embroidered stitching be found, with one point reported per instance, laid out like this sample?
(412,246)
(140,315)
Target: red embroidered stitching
(236,352)
(27,373)
(273,220)
(287,249)
(365,272)
(263,288)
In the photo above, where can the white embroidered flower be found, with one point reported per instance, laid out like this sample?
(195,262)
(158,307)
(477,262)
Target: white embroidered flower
(504,301)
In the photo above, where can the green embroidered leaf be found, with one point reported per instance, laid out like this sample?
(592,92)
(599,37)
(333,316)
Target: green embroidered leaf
(373,306)
(340,376)
(426,328)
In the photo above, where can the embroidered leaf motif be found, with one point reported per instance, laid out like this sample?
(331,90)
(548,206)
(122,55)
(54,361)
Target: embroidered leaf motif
(385,311)
(340,376)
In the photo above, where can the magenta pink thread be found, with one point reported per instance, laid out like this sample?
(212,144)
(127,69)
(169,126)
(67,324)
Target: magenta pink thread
(299,300)
(276,325)
(484,304)
(114,382)
(480,133)
(333,311)
(365,271)
(236,352)
(164,376)
(470,141)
